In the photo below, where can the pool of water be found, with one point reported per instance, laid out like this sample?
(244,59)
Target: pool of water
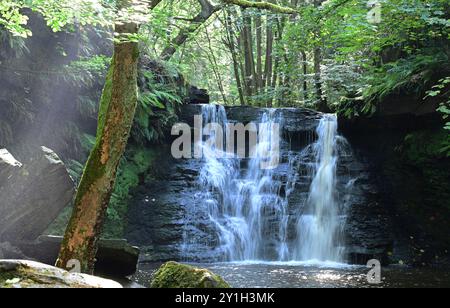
(313,275)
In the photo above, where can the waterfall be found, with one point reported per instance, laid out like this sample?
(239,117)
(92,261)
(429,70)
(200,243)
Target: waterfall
(247,208)
(319,226)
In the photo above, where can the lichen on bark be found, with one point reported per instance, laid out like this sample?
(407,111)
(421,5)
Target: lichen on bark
(117,110)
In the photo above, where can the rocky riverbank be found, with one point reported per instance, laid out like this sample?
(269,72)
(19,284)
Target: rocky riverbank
(19,274)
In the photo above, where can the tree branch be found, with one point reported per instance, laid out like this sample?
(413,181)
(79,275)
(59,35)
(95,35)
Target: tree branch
(262,6)
(207,11)
(332,8)
(154,3)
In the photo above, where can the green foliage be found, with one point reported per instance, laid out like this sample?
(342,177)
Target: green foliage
(11,44)
(426,146)
(136,163)
(442,90)
(58,14)
(156,110)
(12,19)
(75,170)
(404,54)
(176,275)
(86,70)
(87,141)
(133,166)
(411,75)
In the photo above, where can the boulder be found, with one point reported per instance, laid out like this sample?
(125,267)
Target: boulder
(8,251)
(32,195)
(197,96)
(175,275)
(114,257)
(8,166)
(30,274)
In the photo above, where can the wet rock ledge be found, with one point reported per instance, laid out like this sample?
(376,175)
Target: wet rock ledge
(295,120)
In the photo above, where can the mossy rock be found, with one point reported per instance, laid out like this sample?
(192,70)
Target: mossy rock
(175,275)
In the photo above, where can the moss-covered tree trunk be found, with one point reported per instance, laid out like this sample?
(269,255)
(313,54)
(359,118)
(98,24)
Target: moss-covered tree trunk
(117,110)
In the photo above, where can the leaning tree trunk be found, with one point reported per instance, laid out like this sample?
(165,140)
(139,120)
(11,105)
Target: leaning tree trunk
(117,110)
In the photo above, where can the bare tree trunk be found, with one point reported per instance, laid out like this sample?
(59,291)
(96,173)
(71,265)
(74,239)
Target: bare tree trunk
(279,38)
(322,104)
(268,68)
(241,44)
(289,58)
(232,47)
(154,3)
(250,72)
(117,110)
(269,54)
(259,54)
(305,72)
(215,67)
(274,81)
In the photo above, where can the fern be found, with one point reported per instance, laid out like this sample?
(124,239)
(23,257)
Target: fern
(442,89)
(411,75)
(12,45)
(75,169)
(85,71)
(156,111)
(87,107)
(87,142)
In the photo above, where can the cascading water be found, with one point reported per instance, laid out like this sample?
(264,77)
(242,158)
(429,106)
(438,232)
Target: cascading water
(248,208)
(319,227)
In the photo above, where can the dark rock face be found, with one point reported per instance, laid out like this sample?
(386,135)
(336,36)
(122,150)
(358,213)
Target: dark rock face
(197,96)
(32,195)
(8,251)
(368,227)
(159,212)
(155,218)
(411,189)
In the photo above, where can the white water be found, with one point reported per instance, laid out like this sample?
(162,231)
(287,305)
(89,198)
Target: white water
(319,226)
(251,216)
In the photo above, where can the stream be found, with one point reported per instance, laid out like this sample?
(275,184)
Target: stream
(298,275)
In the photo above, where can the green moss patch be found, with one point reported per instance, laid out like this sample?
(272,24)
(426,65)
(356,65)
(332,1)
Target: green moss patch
(175,275)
